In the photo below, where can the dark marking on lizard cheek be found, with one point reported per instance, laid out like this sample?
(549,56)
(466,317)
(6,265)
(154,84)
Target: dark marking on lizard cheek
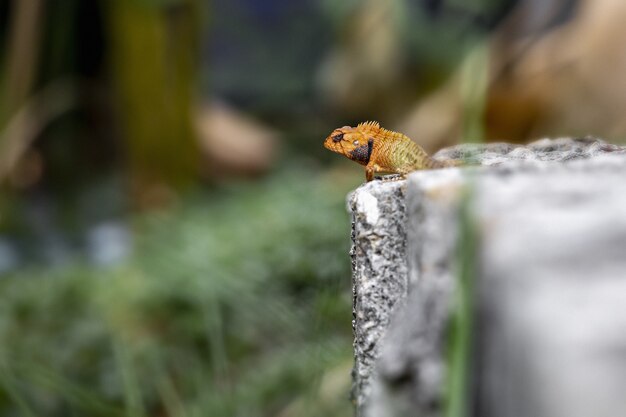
(370,147)
(361,154)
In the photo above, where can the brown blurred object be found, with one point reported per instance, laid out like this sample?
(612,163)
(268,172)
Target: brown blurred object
(26,124)
(20,118)
(567,81)
(22,53)
(28,171)
(232,143)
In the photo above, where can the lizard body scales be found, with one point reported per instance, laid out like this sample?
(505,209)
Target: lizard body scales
(381,150)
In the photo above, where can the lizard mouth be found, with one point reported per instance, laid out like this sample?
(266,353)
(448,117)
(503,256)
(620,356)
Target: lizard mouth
(334,142)
(331,144)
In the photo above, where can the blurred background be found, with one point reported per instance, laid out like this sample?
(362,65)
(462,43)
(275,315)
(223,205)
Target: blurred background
(173,236)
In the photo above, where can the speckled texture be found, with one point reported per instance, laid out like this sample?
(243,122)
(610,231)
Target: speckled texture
(404,246)
(379,271)
(544,150)
(410,369)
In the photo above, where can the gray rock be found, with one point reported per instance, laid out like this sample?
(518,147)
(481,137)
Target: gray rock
(379,269)
(550,276)
(552,291)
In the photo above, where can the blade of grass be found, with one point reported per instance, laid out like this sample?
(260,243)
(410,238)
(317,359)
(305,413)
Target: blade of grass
(462,323)
(132,391)
(474,88)
(8,382)
(81,397)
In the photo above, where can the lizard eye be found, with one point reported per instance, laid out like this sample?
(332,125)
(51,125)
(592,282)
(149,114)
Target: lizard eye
(355,143)
(338,137)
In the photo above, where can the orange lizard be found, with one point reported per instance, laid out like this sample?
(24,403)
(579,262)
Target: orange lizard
(381,150)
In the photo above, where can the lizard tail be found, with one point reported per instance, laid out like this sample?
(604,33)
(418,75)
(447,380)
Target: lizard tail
(432,163)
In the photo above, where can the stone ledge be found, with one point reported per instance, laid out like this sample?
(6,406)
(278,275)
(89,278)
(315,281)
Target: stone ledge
(404,247)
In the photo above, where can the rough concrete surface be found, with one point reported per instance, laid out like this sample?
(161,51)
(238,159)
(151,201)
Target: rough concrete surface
(551,279)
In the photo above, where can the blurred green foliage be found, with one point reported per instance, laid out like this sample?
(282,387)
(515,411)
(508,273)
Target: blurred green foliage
(234,303)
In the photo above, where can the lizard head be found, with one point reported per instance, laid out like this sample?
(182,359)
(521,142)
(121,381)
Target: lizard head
(354,143)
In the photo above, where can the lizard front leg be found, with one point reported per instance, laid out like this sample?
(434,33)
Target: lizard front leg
(372,167)
(370,170)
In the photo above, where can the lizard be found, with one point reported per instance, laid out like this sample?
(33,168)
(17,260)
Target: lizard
(381,150)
